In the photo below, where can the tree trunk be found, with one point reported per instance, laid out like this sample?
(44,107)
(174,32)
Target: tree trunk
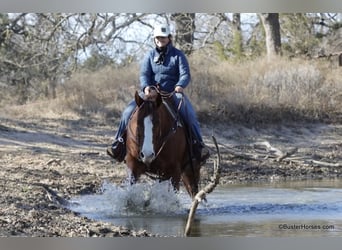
(185,27)
(271,25)
(237,36)
(22,90)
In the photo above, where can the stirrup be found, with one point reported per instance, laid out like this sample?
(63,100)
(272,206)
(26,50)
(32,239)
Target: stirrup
(117,150)
(201,152)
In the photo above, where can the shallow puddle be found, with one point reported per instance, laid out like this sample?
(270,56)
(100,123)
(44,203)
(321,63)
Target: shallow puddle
(307,208)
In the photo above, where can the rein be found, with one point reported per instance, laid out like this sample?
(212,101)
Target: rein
(166,138)
(167,95)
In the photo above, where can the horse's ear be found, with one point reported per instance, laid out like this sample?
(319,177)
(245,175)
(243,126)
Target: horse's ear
(138,99)
(159,100)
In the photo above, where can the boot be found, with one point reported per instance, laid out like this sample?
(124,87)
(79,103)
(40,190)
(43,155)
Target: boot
(118,149)
(201,152)
(204,154)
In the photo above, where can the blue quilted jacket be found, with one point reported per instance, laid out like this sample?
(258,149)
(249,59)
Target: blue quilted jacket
(174,71)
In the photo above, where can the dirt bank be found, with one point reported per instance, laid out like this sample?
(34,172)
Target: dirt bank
(45,161)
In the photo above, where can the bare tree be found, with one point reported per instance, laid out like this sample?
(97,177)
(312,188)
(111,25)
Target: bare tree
(40,49)
(185,28)
(237,35)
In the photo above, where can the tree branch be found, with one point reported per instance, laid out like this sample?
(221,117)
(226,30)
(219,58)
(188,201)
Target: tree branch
(206,190)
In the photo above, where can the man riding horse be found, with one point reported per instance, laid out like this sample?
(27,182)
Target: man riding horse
(167,69)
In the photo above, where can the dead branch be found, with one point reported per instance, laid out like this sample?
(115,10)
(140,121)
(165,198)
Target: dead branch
(326,164)
(245,156)
(270,149)
(53,195)
(206,190)
(265,151)
(262,151)
(287,154)
(57,161)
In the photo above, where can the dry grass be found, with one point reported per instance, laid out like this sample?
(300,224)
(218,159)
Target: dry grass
(250,91)
(260,92)
(105,91)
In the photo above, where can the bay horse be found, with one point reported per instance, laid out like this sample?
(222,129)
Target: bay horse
(157,144)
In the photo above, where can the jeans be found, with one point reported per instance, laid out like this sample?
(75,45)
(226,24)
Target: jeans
(186,112)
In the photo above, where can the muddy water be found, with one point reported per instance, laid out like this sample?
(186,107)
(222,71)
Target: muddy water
(310,208)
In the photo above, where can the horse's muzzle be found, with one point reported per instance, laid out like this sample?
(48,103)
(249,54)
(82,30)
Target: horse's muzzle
(147,158)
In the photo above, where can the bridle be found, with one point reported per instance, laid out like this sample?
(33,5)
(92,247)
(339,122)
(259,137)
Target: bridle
(174,114)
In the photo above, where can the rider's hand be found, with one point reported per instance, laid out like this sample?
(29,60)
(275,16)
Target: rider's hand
(147,90)
(150,92)
(179,89)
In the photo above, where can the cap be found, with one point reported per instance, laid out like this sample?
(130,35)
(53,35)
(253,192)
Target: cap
(161,30)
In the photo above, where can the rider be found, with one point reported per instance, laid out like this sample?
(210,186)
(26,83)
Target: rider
(167,68)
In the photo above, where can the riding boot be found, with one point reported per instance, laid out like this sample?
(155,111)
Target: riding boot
(205,153)
(118,149)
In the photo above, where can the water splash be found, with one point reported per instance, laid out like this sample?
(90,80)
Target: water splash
(153,198)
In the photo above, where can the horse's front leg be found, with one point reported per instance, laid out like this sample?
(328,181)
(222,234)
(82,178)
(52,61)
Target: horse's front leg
(173,173)
(136,169)
(131,178)
(190,177)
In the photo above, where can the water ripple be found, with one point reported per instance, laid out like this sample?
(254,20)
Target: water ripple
(271,208)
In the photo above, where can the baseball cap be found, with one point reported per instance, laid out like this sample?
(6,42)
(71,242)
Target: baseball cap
(161,30)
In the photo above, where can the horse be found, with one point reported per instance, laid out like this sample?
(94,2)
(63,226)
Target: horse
(157,144)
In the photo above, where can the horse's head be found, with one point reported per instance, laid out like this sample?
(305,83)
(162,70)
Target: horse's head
(147,126)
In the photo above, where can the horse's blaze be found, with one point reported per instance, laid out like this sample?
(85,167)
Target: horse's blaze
(147,151)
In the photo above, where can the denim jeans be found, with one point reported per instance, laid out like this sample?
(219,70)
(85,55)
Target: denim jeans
(186,111)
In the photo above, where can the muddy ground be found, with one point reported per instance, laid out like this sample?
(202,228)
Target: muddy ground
(45,161)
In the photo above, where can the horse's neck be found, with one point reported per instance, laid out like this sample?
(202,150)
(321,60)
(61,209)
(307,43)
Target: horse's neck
(168,118)
(170,109)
